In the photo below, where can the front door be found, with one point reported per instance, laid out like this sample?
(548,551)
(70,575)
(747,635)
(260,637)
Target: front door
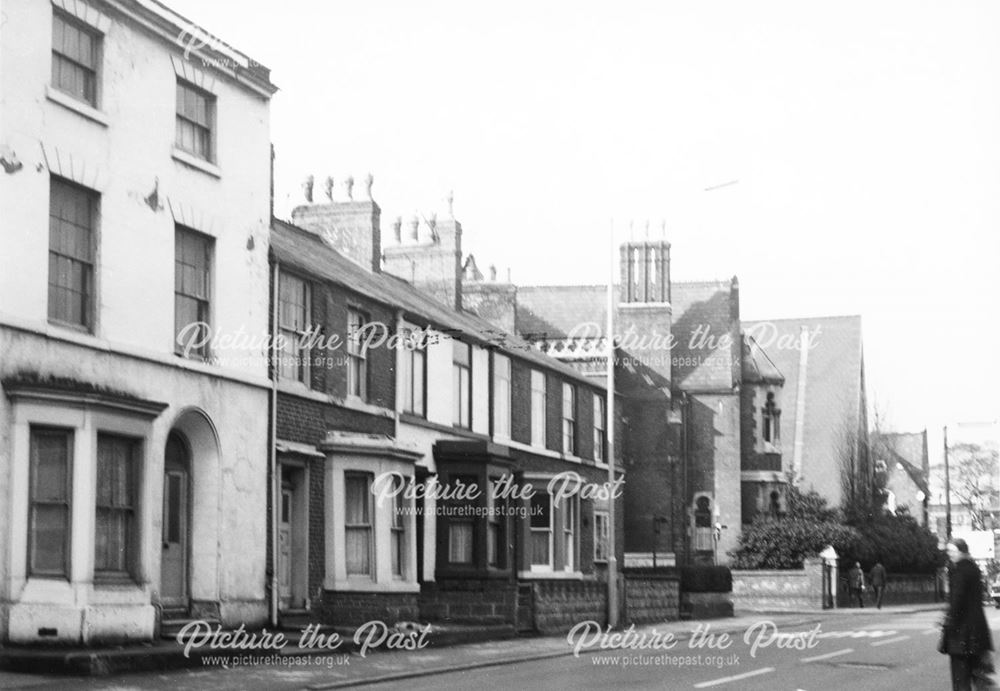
(174,559)
(285,548)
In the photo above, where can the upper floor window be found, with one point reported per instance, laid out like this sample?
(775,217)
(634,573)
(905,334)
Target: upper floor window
(72,241)
(501,396)
(357,356)
(192,292)
(771,419)
(195,121)
(569,419)
(51,460)
(414,379)
(600,423)
(462,384)
(293,322)
(117,492)
(538,405)
(76,59)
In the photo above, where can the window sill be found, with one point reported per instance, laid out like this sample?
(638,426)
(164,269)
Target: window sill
(551,575)
(78,107)
(196,163)
(115,582)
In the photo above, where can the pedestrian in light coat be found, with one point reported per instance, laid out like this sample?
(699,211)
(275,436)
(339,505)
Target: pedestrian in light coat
(856,583)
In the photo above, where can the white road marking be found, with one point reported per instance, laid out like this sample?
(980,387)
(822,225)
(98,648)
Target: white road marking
(835,653)
(735,677)
(897,639)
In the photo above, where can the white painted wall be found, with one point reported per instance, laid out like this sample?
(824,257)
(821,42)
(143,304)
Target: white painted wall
(123,161)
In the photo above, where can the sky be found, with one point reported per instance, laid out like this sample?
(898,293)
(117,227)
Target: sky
(861,141)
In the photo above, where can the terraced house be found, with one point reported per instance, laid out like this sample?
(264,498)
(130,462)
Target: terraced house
(396,386)
(135,229)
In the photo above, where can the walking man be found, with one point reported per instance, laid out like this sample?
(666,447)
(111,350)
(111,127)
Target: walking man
(877,580)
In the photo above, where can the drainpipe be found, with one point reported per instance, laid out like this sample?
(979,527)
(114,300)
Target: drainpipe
(272,469)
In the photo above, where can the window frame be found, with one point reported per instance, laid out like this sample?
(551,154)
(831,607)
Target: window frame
(301,354)
(502,403)
(600,429)
(69,435)
(770,422)
(397,531)
(183,119)
(570,513)
(369,526)
(58,58)
(132,510)
(539,408)
(88,271)
(357,355)
(602,534)
(550,531)
(411,373)
(203,303)
(569,445)
(461,368)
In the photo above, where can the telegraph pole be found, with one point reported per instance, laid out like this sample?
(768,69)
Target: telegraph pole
(947,489)
(610,427)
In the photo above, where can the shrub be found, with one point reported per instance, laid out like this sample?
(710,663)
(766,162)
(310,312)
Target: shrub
(902,544)
(706,579)
(785,543)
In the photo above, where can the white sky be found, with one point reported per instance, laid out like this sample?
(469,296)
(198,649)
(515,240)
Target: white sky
(865,138)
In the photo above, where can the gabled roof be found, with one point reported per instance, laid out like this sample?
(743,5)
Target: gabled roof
(706,330)
(909,449)
(757,366)
(305,252)
(555,312)
(823,396)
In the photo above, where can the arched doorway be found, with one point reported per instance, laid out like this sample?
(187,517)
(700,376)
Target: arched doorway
(174,587)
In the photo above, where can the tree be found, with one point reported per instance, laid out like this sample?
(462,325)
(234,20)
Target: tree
(975,483)
(857,493)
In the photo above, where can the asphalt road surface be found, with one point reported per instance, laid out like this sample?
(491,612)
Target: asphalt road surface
(854,649)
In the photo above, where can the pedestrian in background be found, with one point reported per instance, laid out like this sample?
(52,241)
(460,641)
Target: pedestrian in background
(877,580)
(856,583)
(965,635)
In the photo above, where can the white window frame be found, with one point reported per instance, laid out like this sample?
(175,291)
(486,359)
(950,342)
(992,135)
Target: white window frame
(357,357)
(539,408)
(369,526)
(548,567)
(502,370)
(569,419)
(602,522)
(600,431)
(414,368)
(461,384)
(295,337)
(570,515)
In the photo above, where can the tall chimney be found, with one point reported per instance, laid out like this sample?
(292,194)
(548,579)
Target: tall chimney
(433,262)
(350,227)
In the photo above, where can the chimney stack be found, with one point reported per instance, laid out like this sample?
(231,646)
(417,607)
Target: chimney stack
(432,262)
(350,227)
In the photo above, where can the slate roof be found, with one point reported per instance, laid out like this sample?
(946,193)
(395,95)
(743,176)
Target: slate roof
(706,329)
(832,394)
(909,449)
(757,366)
(306,252)
(549,315)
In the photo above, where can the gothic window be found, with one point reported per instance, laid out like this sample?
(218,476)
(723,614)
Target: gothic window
(772,416)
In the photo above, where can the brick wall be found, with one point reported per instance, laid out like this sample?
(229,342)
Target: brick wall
(560,605)
(472,601)
(356,608)
(317,527)
(776,591)
(520,413)
(651,598)
(307,421)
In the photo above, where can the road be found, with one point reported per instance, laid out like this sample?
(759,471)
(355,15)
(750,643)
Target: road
(849,649)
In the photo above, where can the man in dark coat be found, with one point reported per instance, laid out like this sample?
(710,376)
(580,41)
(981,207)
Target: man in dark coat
(877,579)
(966,637)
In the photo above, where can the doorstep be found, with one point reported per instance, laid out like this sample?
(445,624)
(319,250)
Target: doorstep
(166,654)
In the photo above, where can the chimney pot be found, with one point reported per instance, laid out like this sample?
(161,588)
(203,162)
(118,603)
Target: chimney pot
(307,188)
(493,272)
(369,181)
(328,188)
(349,187)
(397,229)
(414,228)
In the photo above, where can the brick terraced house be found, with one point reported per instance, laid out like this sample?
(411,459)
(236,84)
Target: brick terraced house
(449,400)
